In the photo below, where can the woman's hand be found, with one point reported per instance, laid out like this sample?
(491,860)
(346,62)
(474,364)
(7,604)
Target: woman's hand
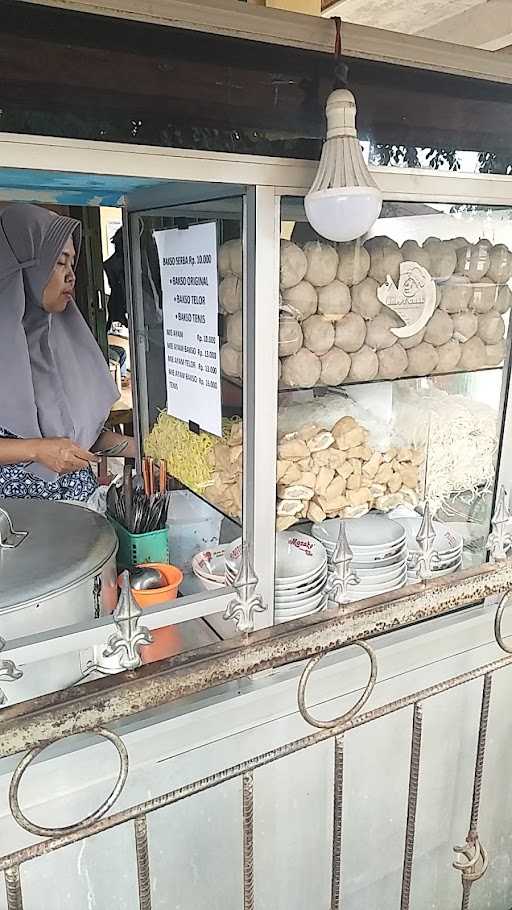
(62,455)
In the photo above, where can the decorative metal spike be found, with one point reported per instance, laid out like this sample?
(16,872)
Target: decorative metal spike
(125,643)
(342,577)
(426,537)
(9,672)
(242,608)
(500,538)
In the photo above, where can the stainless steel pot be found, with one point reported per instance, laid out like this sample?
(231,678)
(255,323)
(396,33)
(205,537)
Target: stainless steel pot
(61,573)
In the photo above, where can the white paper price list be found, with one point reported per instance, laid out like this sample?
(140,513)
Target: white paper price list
(188,265)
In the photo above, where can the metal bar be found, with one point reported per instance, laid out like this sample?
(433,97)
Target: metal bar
(248,824)
(55,642)
(143,871)
(412,804)
(337,823)
(13,888)
(103,701)
(258,761)
(260,386)
(480,754)
(476,865)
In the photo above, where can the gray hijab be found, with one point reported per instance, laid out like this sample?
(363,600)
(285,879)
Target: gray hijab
(54,380)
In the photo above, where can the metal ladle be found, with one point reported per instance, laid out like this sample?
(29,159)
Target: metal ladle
(145,578)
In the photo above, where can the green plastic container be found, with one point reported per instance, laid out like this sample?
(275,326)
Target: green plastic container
(137,549)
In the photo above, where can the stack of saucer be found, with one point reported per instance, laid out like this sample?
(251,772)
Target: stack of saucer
(301,574)
(379,547)
(448,545)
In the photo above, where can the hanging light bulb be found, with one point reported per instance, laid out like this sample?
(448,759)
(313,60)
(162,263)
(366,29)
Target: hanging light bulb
(344,200)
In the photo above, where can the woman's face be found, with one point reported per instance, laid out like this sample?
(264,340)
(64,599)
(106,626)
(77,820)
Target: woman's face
(59,290)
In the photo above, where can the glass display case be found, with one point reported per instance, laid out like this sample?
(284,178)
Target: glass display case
(392,393)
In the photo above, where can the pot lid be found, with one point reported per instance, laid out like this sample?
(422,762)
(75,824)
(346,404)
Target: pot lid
(65,544)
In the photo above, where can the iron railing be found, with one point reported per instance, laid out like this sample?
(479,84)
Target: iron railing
(29,728)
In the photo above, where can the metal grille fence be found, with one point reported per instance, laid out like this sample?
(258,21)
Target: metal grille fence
(470,859)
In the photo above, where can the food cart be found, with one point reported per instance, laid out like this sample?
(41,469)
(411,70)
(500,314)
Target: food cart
(237,731)
(262,212)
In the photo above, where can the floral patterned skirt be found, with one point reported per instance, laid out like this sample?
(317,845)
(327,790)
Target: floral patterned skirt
(17,482)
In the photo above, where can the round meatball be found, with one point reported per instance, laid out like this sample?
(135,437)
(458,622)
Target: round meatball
(413,252)
(504,299)
(495,353)
(378,332)
(230,258)
(465,325)
(385,259)
(354,263)
(231,362)
(423,359)
(491,327)
(318,334)
(473,261)
(393,362)
(290,336)
(449,355)
(473,355)
(456,295)
(334,300)
(300,301)
(439,328)
(230,294)
(335,367)
(484,296)
(443,258)
(322,260)
(293,264)
(301,370)
(500,269)
(350,333)
(365,365)
(364,299)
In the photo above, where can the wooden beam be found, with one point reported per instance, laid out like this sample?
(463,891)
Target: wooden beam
(487,26)
(244,20)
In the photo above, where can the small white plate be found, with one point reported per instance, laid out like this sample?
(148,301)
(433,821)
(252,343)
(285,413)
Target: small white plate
(300,598)
(413,577)
(377,577)
(288,617)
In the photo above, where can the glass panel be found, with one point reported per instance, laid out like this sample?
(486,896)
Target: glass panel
(184,355)
(391,363)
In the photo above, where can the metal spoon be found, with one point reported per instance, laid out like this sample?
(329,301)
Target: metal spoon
(145,578)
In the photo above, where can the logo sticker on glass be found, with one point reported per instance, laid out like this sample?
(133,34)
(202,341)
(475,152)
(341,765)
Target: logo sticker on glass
(414,300)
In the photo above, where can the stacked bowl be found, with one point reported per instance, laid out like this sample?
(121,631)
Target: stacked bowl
(301,574)
(379,547)
(209,567)
(448,545)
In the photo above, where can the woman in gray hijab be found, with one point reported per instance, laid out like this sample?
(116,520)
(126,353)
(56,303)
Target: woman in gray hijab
(56,391)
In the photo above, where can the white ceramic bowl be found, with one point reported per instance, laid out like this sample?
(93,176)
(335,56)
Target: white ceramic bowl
(300,608)
(369,533)
(210,564)
(298,556)
(381,576)
(286,617)
(300,598)
(357,593)
(446,541)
